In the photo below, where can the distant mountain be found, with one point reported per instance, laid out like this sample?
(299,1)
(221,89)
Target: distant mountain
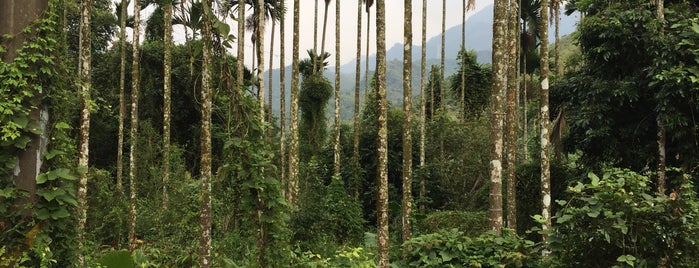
(479,33)
(479,37)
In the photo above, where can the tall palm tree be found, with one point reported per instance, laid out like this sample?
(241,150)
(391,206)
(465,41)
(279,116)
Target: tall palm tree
(271,68)
(241,44)
(85,47)
(357,79)
(134,124)
(511,116)
(441,77)
(660,14)
(544,122)
(282,94)
(382,148)
(315,27)
(167,62)
(422,102)
(336,143)
(205,143)
(407,200)
(368,4)
(122,102)
(556,18)
(325,24)
(260,29)
(293,186)
(496,118)
(466,6)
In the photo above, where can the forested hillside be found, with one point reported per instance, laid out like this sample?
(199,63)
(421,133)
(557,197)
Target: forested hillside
(122,148)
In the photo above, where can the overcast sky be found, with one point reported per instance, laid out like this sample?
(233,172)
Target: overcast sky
(348,16)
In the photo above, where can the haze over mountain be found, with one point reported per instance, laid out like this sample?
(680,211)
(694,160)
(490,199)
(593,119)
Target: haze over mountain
(479,33)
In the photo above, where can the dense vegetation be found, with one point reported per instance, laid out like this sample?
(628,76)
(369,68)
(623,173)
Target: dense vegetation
(624,165)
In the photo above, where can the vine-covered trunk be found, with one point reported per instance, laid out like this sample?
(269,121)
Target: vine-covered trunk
(382,148)
(544,123)
(134,125)
(407,200)
(84,63)
(293,186)
(496,116)
(167,63)
(336,132)
(205,144)
(513,59)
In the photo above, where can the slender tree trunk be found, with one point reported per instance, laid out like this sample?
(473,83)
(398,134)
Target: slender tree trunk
(442,106)
(325,24)
(336,143)
(367,81)
(282,96)
(205,140)
(84,146)
(407,201)
(557,21)
(135,80)
(315,29)
(513,58)
(167,63)
(496,119)
(660,13)
(260,41)
(382,149)
(122,100)
(292,194)
(240,64)
(544,121)
(423,79)
(271,68)
(525,100)
(462,104)
(357,81)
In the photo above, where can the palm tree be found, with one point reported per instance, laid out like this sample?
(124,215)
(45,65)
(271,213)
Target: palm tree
(441,77)
(293,186)
(496,119)
(422,103)
(465,7)
(122,102)
(241,44)
(134,125)
(407,200)
(167,62)
(382,148)
(660,13)
(544,122)
(282,98)
(556,18)
(357,79)
(205,143)
(513,59)
(336,143)
(260,40)
(84,143)
(325,24)
(315,27)
(368,4)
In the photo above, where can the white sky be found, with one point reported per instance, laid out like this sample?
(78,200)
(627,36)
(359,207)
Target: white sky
(348,29)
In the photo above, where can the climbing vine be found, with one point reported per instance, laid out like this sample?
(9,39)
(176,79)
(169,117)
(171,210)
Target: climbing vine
(38,78)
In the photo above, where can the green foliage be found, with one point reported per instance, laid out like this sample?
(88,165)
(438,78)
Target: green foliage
(477,84)
(470,223)
(452,248)
(619,220)
(433,89)
(315,92)
(346,257)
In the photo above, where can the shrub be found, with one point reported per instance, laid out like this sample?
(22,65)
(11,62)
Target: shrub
(620,220)
(469,222)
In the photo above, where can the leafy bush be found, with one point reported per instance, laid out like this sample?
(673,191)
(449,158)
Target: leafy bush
(469,222)
(345,257)
(620,220)
(452,248)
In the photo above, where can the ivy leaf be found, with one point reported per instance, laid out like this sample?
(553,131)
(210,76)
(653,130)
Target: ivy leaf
(60,213)
(564,218)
